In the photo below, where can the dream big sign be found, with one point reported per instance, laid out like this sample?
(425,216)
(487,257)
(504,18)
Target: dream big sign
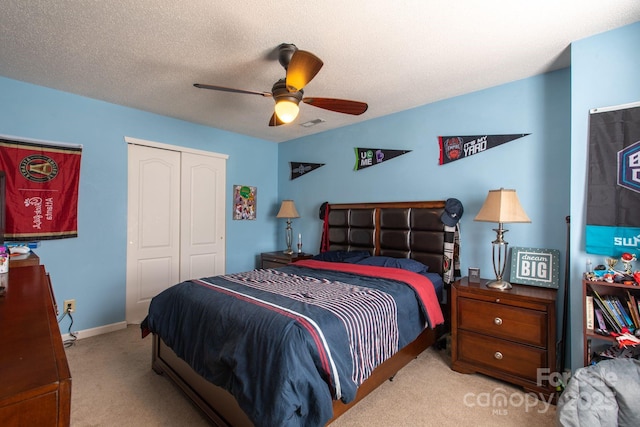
(537,267)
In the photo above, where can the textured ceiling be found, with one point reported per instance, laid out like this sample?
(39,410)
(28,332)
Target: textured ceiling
(394,55)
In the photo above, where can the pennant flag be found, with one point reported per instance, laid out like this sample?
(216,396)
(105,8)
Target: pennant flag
(454,148)
(613,184)
(366,157)
(298,169)
(41,189)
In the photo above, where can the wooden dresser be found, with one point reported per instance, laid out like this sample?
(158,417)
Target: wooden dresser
(507,334)
(35,381)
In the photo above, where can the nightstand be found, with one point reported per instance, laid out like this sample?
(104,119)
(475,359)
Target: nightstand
(509,335)
(279,259)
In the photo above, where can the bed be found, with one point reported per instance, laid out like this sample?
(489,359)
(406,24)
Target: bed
(325,364)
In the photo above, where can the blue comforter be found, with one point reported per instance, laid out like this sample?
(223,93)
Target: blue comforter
(286,342)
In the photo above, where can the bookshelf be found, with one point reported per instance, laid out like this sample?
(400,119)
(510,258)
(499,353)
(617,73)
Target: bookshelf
(594,342)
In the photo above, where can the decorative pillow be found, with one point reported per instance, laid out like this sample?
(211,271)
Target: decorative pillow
(354,259)
(342,256)
(403,263)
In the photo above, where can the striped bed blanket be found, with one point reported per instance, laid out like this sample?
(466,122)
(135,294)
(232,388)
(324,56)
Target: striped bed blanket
(286,342)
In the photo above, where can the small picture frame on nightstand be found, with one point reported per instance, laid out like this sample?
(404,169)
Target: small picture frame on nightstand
(474,275)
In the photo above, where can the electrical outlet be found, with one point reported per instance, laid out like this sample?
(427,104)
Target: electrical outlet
(69,306)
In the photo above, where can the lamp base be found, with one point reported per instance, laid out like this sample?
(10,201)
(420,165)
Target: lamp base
(288,251)
(499,284)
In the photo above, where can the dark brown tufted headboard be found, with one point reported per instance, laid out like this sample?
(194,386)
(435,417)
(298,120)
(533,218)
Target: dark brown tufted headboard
(396,229)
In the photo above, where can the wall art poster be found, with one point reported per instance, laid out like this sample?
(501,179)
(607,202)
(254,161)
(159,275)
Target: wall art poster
(245,199)
(454,148)
(41,193)
(366,157)
(538,267)
(613,183)
(299,168)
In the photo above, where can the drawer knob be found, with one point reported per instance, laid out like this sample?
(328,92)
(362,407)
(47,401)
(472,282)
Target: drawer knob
(497,355)
(497,299)
(497,321)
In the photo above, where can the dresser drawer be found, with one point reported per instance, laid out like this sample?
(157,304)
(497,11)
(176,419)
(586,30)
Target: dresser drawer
(503,321)
(499,355)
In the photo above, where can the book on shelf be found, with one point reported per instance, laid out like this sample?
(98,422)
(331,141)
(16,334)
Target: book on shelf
(589,313)
(619,312)
(626,316)
(633,308)
(606,312)
(614,311)
(600,318)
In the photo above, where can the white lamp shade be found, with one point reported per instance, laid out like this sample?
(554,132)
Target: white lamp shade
(502,206)
(287,110)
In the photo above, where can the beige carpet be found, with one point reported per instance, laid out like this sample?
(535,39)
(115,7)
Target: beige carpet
(113,385)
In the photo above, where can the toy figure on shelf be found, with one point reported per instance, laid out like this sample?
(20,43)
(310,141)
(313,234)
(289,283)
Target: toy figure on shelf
(627,259)
(626,338)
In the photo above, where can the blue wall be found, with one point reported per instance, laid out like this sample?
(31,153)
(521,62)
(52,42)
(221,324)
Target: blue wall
(537,165)
(604,73)
(92,268)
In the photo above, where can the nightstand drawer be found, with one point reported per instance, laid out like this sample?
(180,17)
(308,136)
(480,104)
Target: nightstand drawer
(500,355)
(503,321)
(272,263)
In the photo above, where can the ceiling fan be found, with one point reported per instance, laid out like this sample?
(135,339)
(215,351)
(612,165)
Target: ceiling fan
(300,66)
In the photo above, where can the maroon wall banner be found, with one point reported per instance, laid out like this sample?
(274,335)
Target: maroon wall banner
(366,157)
(41,189)
(454,148)
(298,168)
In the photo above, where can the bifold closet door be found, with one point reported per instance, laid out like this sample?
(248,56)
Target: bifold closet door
(202,230)
(153,229)
(176,221)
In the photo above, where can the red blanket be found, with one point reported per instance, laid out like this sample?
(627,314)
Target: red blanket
(421,285)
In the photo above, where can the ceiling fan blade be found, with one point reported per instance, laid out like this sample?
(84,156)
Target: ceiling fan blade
(275,121)
(302,68)
(338,105)
(228,89)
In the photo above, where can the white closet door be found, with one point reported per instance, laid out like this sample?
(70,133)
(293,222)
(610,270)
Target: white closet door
(202,233)
(153,232)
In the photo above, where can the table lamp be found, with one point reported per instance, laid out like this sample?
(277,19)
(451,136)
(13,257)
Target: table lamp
(288,211)
(501,206)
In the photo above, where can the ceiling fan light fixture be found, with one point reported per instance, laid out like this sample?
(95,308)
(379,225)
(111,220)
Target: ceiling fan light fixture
(300,66)
(287,109)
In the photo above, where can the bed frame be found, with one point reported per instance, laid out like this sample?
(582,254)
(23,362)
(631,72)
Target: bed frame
(396,229)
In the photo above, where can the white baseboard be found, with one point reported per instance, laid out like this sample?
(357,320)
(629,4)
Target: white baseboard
(97,331)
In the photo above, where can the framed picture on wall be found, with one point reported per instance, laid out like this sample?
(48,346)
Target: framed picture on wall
(245,199)
(536,267)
